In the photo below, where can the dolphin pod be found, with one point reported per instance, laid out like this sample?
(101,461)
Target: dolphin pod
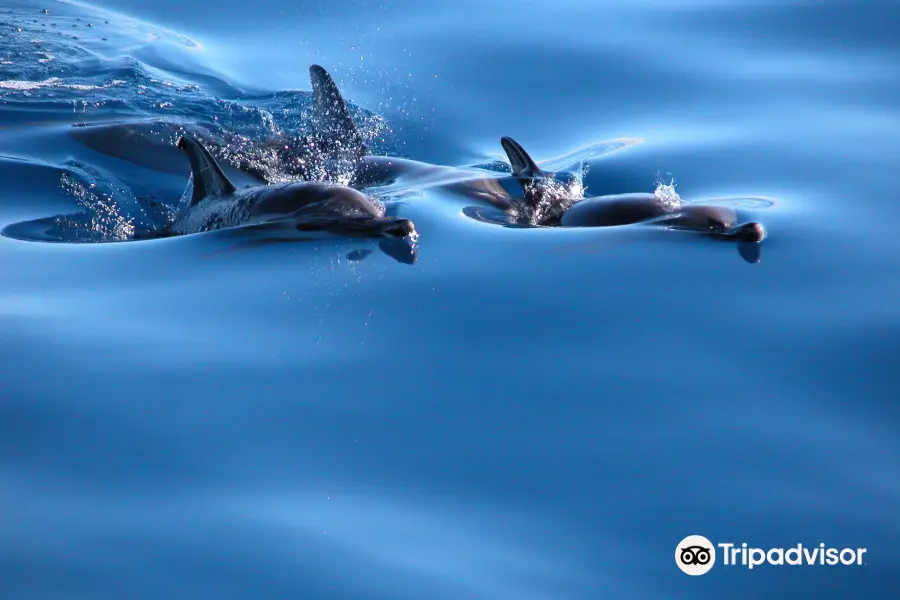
(526,195)
(539,197)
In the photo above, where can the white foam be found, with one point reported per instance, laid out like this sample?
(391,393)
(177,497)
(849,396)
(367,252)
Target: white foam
(26,86)
(14,84)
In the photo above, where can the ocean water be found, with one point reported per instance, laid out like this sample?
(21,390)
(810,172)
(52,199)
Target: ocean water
(522,413)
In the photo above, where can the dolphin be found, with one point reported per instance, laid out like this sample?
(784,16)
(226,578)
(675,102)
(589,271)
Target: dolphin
(714,220)
(626,209)
(216,203)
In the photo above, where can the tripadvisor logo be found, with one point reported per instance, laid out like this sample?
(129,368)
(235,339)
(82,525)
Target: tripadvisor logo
(696,555)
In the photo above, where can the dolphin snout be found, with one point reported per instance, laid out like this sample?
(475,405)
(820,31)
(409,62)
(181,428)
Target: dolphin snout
(401,228)
(750,232)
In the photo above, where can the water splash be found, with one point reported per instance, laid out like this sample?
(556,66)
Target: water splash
(102,220)
(667,195)
(546,199)
(111,211)
(279,153)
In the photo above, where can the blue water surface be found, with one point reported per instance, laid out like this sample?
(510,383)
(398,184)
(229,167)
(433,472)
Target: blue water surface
(522,413)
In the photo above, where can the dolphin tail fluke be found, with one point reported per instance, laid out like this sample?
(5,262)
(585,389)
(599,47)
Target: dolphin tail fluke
(331,118)
(209,180)
(522,164)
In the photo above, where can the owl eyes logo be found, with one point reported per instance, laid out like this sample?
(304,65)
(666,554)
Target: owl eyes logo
(695,555)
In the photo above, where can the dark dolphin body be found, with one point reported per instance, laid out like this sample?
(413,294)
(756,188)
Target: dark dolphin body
(217,204)
(626,209)
(304,206)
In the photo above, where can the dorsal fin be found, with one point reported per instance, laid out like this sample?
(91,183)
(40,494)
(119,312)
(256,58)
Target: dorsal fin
(522,164)
(209,180)
(331,118)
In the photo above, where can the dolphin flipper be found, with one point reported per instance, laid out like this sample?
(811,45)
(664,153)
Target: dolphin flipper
(331,118)
(209,180)
(522,164)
